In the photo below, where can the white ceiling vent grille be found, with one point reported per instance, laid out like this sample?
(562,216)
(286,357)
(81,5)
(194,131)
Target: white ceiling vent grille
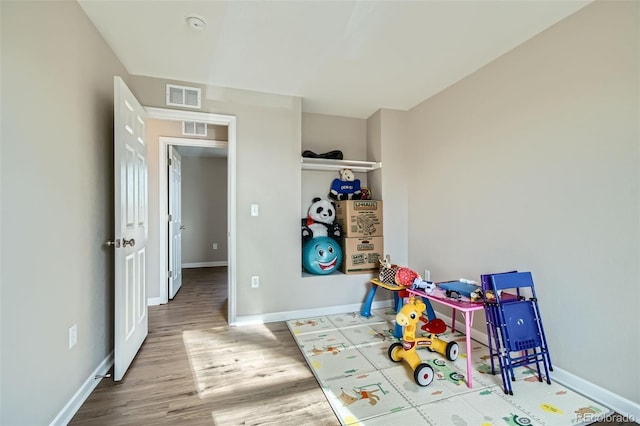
(193,128)
(183,96)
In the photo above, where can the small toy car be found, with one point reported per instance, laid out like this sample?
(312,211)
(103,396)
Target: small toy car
(453,294)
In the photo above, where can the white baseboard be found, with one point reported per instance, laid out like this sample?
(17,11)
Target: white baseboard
(205,264)
(306,313)
(153,301)
(629,409)
(74,404)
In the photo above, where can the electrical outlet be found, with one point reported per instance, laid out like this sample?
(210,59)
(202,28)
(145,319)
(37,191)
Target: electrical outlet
(255,281)
(73,335)
(215,246)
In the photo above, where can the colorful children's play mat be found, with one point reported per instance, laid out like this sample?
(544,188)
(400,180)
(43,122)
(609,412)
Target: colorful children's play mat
(348,356)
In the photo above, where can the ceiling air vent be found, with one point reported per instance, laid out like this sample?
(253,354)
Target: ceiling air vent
(183,96)
(193,128)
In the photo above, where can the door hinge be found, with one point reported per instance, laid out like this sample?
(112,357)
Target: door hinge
(170,274)
(170,161)
(170,218)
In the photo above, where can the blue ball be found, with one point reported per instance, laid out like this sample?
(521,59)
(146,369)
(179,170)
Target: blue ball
(321,255)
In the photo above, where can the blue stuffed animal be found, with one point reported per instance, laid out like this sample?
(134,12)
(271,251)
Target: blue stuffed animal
(347,187)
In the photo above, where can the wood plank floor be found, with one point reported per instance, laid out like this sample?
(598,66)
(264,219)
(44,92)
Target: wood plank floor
(193,369)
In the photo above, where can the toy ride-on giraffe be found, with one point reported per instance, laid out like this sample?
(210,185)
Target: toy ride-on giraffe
(408,317)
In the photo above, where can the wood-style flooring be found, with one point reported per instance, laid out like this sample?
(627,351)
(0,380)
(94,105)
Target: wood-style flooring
(193,369)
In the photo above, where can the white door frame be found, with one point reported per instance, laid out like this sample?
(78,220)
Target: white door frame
(209,118)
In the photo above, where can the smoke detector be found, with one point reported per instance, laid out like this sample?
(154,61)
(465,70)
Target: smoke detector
(196,23)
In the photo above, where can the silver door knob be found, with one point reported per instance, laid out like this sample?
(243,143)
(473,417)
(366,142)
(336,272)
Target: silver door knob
(130,242)
(115,243)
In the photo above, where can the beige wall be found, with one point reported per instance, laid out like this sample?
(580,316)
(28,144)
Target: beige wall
(532,164)
(323,133)
(57,206)
(204,209)
(393,183)
(269,144)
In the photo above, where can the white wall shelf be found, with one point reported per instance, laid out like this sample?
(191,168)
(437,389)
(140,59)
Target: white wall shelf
(333,165)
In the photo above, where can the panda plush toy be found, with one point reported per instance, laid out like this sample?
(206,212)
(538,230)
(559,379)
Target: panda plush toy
(320,221)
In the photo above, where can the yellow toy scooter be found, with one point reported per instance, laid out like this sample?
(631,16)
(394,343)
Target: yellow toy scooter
(408,317)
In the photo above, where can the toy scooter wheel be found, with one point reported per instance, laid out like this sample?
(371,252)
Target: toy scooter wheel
(452,351)
(393,352)
(423,374)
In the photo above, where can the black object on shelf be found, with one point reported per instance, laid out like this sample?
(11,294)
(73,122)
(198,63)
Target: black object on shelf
(331,155)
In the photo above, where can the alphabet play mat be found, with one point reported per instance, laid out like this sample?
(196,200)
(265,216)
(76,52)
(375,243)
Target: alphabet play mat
(347,353)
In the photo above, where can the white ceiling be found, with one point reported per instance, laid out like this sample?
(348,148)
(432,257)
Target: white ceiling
(346,58)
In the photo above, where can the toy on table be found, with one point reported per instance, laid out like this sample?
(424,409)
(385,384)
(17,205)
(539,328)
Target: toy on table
(347,187)
(476,295)
(390,273)
(388,270)
(410,279)
(462,287)
(397,279)
(409,316)
(387,280)
(321,255)
(406,276)
(420,284)
(320,221)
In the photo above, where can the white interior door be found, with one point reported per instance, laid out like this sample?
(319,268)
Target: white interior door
(131,227)
(175,221)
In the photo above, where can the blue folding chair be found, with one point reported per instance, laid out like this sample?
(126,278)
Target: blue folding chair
(515,326)
(491,319)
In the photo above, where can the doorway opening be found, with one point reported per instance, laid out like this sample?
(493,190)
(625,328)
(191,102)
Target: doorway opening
(197,215)
(163,190)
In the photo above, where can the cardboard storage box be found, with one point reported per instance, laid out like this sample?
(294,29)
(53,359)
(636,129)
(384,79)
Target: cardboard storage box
(359,218)
(361,255)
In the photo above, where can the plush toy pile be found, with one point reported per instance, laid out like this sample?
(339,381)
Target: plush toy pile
(400,275)
(321,238)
